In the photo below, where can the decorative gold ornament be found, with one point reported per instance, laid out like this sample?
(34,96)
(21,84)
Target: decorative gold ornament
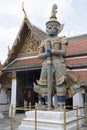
(30,45)
(25,15)
(13,75)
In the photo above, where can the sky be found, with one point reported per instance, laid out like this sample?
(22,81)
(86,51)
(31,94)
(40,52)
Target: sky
(71,13)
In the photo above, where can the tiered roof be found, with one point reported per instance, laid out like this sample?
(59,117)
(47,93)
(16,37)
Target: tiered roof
(76,57)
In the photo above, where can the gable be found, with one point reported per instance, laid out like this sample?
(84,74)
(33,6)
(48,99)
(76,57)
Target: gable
(26,42)
(30,46)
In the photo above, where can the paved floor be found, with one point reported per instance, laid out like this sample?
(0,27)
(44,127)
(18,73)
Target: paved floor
(83,128)
(5,124)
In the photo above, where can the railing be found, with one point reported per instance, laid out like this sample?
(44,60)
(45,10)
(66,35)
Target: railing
(30,108)
(15,118)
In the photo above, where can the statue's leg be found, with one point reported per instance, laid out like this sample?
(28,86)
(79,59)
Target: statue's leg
(61,101)
(61,96)
(39,99)
(46,100)
(44,94)
(55,104)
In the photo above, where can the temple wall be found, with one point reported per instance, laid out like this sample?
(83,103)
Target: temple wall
(3,100)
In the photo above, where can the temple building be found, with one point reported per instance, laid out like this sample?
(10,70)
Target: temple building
(22,67)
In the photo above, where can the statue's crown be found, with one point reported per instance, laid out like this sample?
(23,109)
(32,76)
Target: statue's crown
(53,18)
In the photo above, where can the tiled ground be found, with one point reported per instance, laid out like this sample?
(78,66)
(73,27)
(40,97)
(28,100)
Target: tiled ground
(5,124)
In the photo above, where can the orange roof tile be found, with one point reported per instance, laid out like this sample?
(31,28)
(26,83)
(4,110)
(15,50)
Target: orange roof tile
(27,61)
(77,61)
(82,74)
(75,46)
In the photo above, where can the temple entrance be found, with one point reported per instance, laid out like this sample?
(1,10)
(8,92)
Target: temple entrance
(25,92)
(30,97)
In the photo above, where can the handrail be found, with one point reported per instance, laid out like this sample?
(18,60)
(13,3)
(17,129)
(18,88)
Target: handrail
(4,110)
(30,108)
(3,103)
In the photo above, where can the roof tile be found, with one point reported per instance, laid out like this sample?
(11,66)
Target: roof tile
(77,46)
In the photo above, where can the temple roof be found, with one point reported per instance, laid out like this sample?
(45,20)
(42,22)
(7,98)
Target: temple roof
(77,46)
(25,29)
(82,74)
(33,63)
(77,62)
(23,64)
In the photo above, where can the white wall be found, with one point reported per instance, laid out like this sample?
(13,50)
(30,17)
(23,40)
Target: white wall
(78,99)
(3,99)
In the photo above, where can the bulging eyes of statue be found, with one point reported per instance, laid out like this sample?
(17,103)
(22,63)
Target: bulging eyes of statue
(49,27)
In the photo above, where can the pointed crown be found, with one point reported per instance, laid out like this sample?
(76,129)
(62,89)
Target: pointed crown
(53,18)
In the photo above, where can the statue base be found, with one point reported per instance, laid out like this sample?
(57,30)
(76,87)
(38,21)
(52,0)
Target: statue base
(1,116)
(49,120)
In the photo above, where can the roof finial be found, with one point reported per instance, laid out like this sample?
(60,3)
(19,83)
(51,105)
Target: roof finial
(0,63)
(9,50)
(25,15)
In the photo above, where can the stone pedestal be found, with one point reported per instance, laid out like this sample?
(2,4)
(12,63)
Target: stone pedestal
(48,120)
(1,116)
(79,100)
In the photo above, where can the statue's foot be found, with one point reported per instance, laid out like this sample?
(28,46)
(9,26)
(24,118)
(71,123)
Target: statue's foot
(41,107)
(60,107)
(56,107)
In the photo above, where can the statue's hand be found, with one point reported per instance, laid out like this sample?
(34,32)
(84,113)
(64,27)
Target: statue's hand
(48,52)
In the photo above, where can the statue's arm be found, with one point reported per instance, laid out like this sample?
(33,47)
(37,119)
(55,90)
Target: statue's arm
(41,52)
(59,51)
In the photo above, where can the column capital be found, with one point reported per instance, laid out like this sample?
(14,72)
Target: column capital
(13,75)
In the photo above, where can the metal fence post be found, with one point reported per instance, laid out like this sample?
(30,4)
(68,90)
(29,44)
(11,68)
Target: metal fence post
(64,117)
(11,117)
(86,114)
(77,125)
(36,116)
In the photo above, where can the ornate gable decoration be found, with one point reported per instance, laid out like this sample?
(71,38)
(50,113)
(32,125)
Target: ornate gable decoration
(30,45)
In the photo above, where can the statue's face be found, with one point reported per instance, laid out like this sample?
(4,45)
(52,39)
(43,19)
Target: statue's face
(52,29)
